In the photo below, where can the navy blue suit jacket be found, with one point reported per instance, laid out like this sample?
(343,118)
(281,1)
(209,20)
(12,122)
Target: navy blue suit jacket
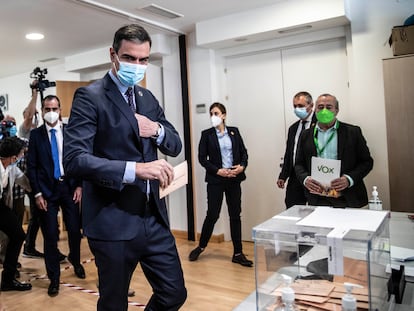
(209,154)
(356,162)
(40,163)
(102,135)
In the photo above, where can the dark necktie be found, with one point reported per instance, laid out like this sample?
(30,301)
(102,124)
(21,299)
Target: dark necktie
(130,96)
(55,154)
(303,126)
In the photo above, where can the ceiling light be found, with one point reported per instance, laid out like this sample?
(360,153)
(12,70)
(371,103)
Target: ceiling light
(34,36)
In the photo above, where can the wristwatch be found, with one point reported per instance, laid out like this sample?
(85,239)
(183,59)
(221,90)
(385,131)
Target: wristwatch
(158,131)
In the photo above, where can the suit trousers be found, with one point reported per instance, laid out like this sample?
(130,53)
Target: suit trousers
(33,226)
(10,226)
(295,192)
(154,248)
(62,197)
(215,193)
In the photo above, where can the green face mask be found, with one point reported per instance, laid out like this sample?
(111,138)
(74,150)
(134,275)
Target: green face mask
(325,116)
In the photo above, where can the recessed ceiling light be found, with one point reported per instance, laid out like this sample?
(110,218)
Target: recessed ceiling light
(34,36)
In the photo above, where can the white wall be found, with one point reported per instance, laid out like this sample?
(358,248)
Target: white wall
(371,24)
(19,92)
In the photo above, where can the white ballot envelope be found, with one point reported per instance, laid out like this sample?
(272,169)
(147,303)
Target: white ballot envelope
(324,171)
(180,179)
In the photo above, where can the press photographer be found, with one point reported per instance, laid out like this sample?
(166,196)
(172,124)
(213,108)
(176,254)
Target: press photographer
(7,128)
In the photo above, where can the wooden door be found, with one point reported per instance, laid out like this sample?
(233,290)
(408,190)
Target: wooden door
(399,109)
(65,91)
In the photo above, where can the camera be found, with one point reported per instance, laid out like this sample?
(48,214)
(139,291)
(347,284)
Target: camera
(42,83)
(5,127)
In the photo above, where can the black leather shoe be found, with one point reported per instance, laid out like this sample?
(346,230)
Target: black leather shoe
(195,253)
(62,257)
(32,253)
(53,289)
(79,270)
(15,285)
(242,260)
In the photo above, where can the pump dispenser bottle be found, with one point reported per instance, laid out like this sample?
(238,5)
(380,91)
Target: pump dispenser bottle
(349,302)
(288,295)
(375,203)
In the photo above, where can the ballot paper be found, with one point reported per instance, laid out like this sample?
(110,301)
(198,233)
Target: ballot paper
(180,179)
(402,254)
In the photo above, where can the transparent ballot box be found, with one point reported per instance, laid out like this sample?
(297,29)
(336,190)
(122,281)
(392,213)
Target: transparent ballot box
(320,249)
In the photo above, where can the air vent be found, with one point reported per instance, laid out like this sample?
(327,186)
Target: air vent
(48,59)
(160,11)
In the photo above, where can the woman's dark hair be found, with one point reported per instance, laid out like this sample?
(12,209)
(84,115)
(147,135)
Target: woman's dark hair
(219,106)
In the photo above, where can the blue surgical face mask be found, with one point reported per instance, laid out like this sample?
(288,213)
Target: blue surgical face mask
(13,131)
(17,161)
(130,74)
(301,112)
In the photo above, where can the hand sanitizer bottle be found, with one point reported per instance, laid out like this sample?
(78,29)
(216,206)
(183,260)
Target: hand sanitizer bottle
(375,203)
(349,302)
(288,296)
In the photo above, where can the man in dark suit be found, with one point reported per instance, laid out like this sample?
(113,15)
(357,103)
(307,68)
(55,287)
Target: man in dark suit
(332,139)
(303,108)
(111,142)
(53,190)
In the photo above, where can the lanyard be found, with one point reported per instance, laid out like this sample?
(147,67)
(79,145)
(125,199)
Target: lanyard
(315,138)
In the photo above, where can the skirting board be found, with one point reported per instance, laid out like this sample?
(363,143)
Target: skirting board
(215,238)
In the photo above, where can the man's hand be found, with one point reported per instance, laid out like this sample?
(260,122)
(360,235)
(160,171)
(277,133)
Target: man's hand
(41,203)
(77,195)
(147,128)
(313,186)
(340,183)
(159,170)
(280,183)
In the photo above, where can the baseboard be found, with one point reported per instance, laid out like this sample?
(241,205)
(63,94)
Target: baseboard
(181,234)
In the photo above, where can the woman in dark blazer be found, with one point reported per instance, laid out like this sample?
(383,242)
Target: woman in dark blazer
(222,153)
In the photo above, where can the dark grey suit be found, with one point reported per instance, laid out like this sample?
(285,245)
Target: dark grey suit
(122,227)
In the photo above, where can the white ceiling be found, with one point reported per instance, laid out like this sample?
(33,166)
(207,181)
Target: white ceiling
(71,27)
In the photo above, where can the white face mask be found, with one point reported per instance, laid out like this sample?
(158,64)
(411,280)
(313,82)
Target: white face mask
(216,121)
(51,117)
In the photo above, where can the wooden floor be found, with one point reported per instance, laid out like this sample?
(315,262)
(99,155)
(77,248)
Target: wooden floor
(213,282)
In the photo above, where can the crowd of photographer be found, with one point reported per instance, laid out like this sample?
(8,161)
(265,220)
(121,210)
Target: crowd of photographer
(14,187)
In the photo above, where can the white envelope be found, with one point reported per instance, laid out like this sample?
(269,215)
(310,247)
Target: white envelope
(180,179)
(325,170)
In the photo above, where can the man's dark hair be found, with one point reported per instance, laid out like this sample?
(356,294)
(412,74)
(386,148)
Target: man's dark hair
(308,97)
(11,146)
(335,100)
(50,97)
(132,32)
